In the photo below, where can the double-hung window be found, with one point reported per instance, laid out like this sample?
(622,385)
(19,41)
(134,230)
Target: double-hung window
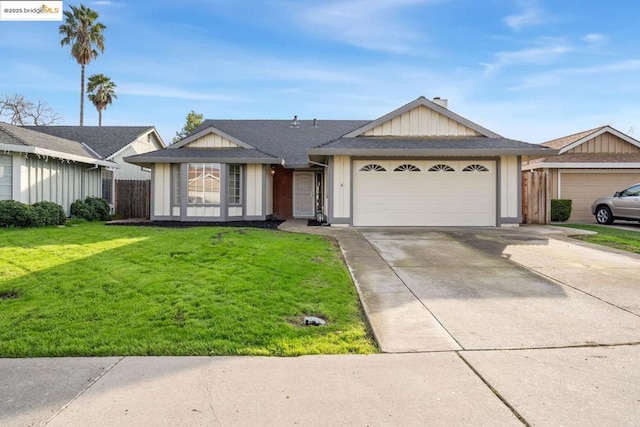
(234,187)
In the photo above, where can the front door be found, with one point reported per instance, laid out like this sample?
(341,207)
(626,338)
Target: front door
(303,195)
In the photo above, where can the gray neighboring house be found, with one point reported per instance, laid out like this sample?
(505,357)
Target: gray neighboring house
(36,167)
(113,143)
(419,165)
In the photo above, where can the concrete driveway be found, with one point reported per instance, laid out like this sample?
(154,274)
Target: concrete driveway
(488,288)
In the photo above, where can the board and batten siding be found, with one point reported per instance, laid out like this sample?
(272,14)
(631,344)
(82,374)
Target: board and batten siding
(161,190)
(510,188)
(51,180)
(255,179)
(421,121)
(341,187)
(211,140)
(605,143)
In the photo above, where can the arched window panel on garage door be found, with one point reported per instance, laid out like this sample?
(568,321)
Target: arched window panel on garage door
(407,167)
(475,168)
(441,167)
(372,167)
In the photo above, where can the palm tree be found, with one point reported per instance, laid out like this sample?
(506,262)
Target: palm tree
(81,31)
(100,91)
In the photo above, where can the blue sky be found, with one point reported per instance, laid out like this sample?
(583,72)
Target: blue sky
(531,70)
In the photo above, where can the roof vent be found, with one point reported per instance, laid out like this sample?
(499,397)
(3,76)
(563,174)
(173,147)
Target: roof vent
(315,123)
(295,123)
(441,102)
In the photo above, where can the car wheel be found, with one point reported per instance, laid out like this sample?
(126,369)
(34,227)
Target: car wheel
(603,215)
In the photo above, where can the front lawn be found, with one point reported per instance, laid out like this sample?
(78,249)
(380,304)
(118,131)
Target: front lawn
(93,290)
(608,236)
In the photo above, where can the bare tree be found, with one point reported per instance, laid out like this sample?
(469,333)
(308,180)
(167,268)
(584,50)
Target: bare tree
(18,110)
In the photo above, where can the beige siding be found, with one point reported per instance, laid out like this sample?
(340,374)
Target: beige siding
(143,144)
(341,187)
(255,175)
(55,181)
(211,141)
(212,212)
(161,190)
(605,143)
(421,121)
(584,186)
(509,187)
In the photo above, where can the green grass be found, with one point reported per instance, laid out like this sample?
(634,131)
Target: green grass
(611,237)
(96,290)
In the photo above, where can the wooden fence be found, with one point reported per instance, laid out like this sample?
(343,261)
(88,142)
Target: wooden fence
(133,198)
(536,197)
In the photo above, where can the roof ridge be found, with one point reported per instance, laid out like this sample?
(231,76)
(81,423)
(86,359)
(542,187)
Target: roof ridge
(584,133)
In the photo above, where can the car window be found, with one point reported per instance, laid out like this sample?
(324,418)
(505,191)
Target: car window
(631,191)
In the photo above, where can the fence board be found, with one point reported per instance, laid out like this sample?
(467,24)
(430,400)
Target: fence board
(536,201)
(133,198)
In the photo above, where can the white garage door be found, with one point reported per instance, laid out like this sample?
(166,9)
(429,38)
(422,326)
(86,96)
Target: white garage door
(584,187)
(424,193)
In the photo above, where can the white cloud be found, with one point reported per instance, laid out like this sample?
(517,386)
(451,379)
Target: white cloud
(530,15)
(540,55)
(369,24)
(595,39)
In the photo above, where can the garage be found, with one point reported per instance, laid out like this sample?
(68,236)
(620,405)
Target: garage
(441,192)
(583,187)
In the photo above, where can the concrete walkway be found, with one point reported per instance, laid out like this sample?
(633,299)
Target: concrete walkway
(479,327)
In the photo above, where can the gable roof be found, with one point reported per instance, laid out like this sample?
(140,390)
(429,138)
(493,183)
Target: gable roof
(22,140)
(569,142)
(276,138)
(424,102)
(104,140)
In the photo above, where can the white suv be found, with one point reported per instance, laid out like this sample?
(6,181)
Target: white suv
(623,204)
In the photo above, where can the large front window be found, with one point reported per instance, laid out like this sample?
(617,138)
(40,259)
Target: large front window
(5,177)
(204,183)
(235,185)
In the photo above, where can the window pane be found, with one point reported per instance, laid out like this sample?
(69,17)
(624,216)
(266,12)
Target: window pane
(235,185)
(5,177)
(204,183)
(107,185)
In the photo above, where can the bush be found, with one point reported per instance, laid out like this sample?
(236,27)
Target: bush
(51,213)
(560,210)
(91,209)
(16,214)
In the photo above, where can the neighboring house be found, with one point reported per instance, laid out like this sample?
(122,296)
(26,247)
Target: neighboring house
(590,164)
(112,143)
(36,167)
(419,165)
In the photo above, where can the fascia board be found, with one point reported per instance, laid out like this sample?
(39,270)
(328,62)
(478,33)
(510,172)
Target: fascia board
(57,154)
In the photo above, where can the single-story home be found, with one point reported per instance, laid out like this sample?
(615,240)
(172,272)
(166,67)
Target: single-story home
(112,143)
(36,167)
(419,165)
(590,164)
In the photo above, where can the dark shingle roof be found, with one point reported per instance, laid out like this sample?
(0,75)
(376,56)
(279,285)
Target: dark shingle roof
(216,155)
(432,145)
(104,140)
(278,139)
(16,135)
